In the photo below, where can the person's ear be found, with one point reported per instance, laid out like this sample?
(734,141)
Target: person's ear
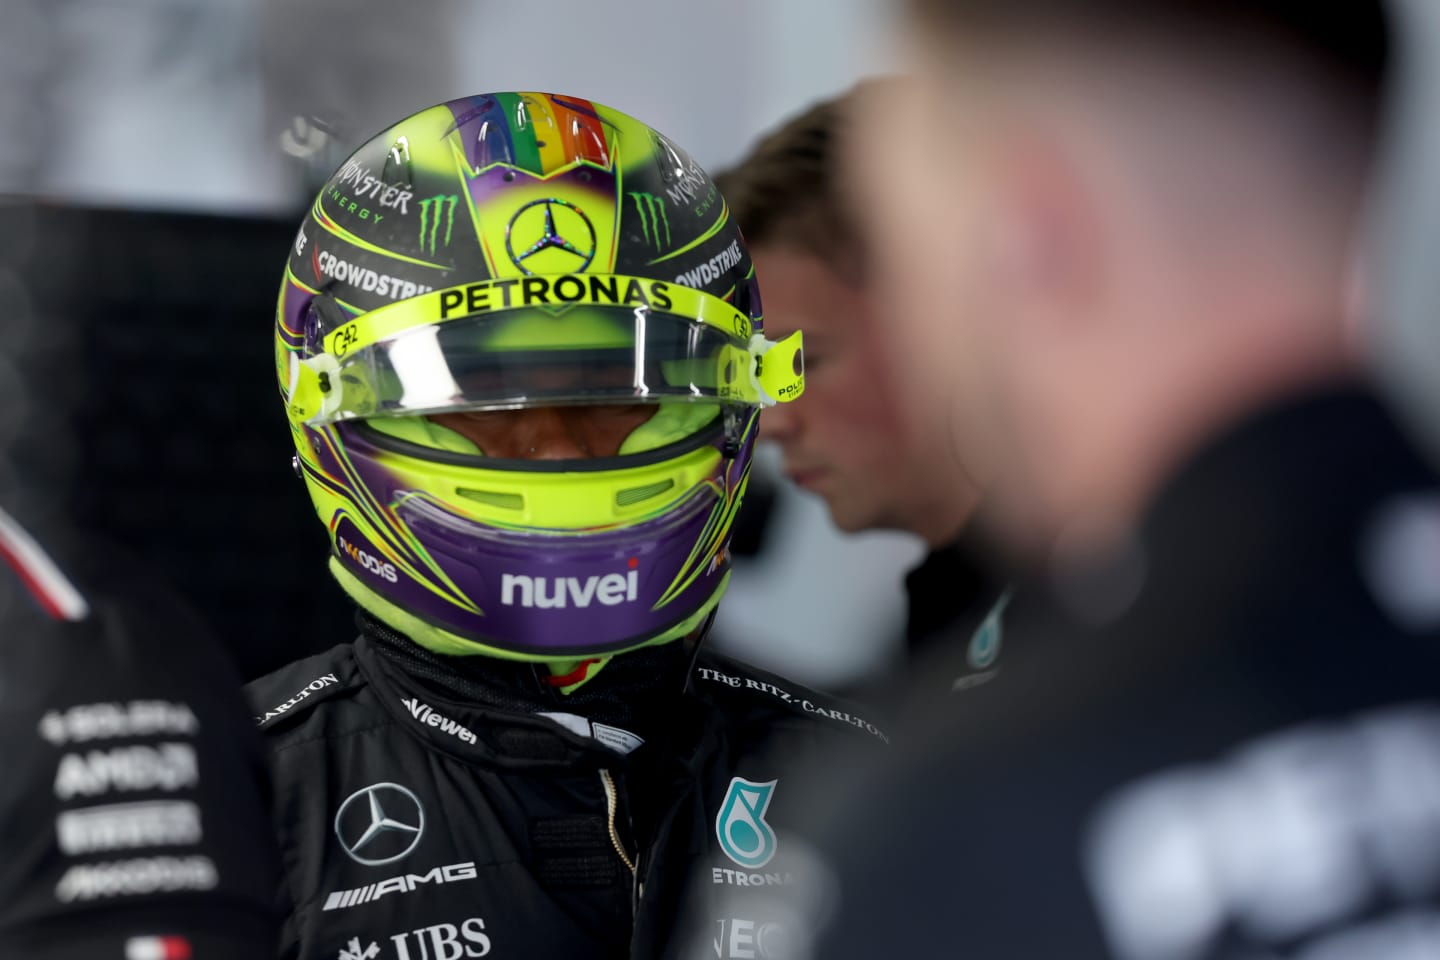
(1047,242)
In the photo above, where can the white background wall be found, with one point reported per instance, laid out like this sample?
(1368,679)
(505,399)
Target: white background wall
(183,103)
(186,104)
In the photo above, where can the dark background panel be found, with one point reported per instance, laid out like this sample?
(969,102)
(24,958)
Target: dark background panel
(138,403)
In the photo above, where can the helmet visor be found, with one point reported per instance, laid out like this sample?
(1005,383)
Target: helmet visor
(593,355)
(417,358)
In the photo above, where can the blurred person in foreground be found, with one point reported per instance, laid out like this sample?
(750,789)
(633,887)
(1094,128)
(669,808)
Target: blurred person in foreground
(520,343)
(134,807)
(847,439)
(1119,237)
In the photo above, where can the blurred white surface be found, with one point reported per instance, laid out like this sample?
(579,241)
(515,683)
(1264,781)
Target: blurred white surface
(1403,282)
(149,103)
(184,103)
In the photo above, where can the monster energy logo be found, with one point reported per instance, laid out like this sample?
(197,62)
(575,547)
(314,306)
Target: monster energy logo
(652,217)
(432,211)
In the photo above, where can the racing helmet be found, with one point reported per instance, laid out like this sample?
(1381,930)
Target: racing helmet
(503,252)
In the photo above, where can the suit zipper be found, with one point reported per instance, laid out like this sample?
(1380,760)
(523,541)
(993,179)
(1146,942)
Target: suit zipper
(612,802)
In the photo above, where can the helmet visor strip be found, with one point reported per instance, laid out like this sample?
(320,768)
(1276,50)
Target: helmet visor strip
(542,341)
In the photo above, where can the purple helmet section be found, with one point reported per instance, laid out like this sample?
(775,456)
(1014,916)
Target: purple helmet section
(546,594)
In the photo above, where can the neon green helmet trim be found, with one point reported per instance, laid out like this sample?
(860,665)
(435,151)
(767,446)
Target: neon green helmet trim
(673,421)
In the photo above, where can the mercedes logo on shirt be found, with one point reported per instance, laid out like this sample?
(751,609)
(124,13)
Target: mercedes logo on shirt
(379,824)
(550,224)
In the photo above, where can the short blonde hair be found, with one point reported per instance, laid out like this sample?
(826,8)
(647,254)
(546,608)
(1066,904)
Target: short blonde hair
(786,191)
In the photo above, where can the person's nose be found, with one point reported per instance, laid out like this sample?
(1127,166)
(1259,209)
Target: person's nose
(547,433)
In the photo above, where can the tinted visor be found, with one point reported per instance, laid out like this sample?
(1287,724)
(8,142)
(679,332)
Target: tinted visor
(586,354)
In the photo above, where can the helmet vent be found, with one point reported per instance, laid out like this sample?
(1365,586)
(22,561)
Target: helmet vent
(634,495)
(506,501)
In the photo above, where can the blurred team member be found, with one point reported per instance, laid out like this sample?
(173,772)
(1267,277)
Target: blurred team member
(519,340)
(134,801)
(847,440)
(1120,235)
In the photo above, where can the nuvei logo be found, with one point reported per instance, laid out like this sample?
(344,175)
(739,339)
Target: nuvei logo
(550,593)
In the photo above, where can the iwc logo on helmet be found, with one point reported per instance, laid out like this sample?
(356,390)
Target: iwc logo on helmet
(380,824)
(550,236)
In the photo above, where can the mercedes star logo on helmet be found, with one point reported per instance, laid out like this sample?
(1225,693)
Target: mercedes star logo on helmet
(533,229)
(380,823)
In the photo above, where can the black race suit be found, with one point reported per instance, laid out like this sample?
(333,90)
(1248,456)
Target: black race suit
(959,599)
(1223,743)
(430,810)
(134,814)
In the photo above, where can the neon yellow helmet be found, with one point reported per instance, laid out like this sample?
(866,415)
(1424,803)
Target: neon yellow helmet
(507,251)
